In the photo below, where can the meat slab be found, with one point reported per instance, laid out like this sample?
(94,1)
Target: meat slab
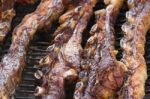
(102,74)
(63,61)
(13,62)
(135,29)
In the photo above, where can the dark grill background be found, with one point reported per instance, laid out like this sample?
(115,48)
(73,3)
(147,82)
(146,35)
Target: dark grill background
(41,41)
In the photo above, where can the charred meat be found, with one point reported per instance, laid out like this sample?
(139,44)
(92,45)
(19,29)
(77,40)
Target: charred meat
(6,15)
(135,29)
(102,74)
(13,62)
(63,61)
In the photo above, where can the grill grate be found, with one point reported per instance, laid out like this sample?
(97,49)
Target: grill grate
(147,58)
(26,89)
(37,50)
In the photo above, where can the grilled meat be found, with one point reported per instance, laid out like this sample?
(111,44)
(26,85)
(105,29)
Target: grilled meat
(134,3)
(63,61)
(132,43)
(13,62)
(6,14)
(102,74)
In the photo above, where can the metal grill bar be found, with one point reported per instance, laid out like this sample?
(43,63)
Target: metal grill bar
(118,31)
(26,89)
(147,57)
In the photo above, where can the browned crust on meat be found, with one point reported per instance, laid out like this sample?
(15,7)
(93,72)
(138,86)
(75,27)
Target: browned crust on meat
(105,73)
(135,29)
(63,61)
(13,62)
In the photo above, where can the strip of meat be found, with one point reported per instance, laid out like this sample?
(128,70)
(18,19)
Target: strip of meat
(133,50)
(6,15)
(13,62)
(102,74)
(134,3)
(63,61)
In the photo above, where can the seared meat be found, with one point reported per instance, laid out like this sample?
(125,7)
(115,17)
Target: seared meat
(134,3)
(13,62)
(132,43)
(102,74)
(6,14)
(63,61)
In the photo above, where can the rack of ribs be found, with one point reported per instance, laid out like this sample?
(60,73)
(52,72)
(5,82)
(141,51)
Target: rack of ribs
(13,62)
(134,3)
(135,29)
(7,13)
(102,74)
(62,64)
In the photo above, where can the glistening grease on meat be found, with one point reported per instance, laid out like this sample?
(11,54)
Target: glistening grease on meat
(134,3)
(135,29)
(63,61)
(7,13)
(102,74)
(13,62)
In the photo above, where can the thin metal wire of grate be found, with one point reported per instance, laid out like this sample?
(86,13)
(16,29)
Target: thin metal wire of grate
(147,58)
(26,89)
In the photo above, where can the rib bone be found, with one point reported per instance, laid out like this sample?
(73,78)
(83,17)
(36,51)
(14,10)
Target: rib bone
(133,51)
(65,52)
(106,74)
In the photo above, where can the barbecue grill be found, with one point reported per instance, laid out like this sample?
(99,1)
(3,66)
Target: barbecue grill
(41,41)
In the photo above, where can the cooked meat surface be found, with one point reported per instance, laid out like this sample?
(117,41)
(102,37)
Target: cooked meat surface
(102,74)
(6,15)
(13,62)
(135,29)
(63,61)
(134,3)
